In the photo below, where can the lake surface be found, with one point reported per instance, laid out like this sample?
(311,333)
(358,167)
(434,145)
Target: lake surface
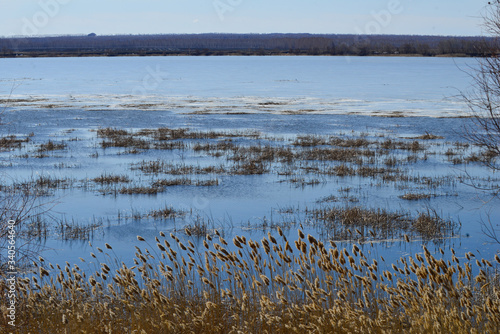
(366,85)
(65,100)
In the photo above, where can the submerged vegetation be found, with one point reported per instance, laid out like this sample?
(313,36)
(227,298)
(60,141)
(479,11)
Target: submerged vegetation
(210,285)
(302,161)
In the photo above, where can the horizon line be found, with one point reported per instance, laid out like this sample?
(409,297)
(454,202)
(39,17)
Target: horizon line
(232,33)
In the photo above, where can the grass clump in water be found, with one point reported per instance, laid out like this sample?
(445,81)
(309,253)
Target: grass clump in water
(110,179)
(12,142)
(51,146)
(415,196)
(167,212)
(141,190)
(339,221)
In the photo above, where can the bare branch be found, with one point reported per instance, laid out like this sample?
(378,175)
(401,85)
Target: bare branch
(483,101)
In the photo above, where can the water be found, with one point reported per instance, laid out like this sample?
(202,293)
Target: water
(366,85)
(63,99)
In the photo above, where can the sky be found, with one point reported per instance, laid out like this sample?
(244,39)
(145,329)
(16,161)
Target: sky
(105,17)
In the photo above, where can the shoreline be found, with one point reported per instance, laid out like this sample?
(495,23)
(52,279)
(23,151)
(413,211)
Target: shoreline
(245,44)
(248,105)
(216,54)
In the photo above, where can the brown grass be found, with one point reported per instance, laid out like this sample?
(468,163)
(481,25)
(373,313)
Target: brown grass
(413,146)
(344,170)
(349,142)
(251,168)
(271,286)
(111,132)
(172,182)
(358,156)
(302,182)
(109,179)
(10,142)
(51,182)
(415,197)
(51,146)
(337,154)
(126,141)
(185,182)
(141,190)
(75,231)
(340,221)
(163,167)
(428,136)
(310,140)
(207,183)
(165,213)
(169,134)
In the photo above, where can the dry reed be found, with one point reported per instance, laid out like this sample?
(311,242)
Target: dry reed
(215,285)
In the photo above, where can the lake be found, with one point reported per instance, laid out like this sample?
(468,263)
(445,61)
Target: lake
(267,141)
(361,85)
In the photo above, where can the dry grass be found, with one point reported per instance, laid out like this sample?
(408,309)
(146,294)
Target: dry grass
(415,197)
(338,222)
(251,168)
(110,179)
(208,147)
(344,170)
(428,136)
(170,145)
(37,228)
(349,142)
(310,140)
(165,213)
(111,132)
(150,167)
(337,154)
(271,286)
(185,182)
(322,155)
(302,182)
(141,190)
(75,231)
(11,142)
(172,182)
(44,181)
(163,167)
(51,146)
(126,141)
(199,228)
(413,146)
(207,183)
(169,134)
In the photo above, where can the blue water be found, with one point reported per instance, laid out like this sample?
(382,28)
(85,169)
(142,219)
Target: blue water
(326,84)
(344,94)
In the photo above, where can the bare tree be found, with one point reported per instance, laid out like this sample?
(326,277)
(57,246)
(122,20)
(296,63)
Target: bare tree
(22,209)
(483,101)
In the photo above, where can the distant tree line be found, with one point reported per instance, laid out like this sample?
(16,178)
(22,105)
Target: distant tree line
(244,44)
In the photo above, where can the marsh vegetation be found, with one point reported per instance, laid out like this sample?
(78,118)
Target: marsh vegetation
(190,279)
(192,284)
(208,159)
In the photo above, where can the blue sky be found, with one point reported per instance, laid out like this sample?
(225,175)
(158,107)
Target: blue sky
(49,17)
